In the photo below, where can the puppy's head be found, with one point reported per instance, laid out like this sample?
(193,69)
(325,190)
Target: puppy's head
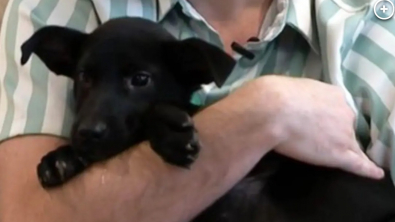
(119,70)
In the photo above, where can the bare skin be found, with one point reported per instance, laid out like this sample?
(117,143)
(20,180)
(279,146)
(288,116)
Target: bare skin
(235,21)
(236,132)
(137,185)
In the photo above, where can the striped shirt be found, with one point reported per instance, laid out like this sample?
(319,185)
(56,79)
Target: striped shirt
(340,42)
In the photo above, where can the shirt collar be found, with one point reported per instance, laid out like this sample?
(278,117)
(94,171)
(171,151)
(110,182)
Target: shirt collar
(165,6)
(300,18)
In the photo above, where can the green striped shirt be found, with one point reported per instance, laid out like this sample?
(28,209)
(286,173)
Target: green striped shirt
(336,41)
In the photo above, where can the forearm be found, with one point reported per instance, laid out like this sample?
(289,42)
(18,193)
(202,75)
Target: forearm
(138,185)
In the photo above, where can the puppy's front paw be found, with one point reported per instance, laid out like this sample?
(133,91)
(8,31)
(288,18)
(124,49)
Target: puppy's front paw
(59,166)
(173,136)
(180,148)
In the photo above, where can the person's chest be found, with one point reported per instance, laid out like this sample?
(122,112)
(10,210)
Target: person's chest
(285,53)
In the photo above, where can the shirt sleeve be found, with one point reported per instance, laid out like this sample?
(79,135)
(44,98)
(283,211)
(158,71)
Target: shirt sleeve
(369,74)
(32,99)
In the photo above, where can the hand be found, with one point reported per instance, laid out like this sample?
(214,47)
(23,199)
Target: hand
(316,125)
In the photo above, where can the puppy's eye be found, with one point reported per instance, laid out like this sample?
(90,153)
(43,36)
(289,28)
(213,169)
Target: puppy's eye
(84,78)
(138,79)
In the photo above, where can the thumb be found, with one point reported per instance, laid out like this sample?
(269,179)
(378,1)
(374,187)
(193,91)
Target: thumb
(358,163)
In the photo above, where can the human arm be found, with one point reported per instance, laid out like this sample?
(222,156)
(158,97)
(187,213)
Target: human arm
(141,186)
(138,186)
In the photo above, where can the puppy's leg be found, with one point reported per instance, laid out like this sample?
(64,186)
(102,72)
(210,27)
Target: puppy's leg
(60,166)
(172,134)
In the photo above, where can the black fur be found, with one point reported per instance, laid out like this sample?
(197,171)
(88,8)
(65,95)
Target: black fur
(133,82)
(112,112)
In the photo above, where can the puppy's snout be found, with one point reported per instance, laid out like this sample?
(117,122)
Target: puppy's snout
(93,131)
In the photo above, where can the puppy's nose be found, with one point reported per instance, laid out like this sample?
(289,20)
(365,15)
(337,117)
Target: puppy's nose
(93,132)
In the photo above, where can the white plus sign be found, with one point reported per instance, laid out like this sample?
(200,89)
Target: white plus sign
(384,9)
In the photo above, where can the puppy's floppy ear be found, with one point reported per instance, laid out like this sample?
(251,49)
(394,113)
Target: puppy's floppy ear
(58,47)
(197,62)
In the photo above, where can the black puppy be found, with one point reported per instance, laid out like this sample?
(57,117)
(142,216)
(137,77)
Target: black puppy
(133,81)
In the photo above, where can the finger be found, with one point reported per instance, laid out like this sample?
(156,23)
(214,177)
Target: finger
(358,164)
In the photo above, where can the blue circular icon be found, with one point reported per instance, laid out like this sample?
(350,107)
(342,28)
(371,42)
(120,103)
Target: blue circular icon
(384,9)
